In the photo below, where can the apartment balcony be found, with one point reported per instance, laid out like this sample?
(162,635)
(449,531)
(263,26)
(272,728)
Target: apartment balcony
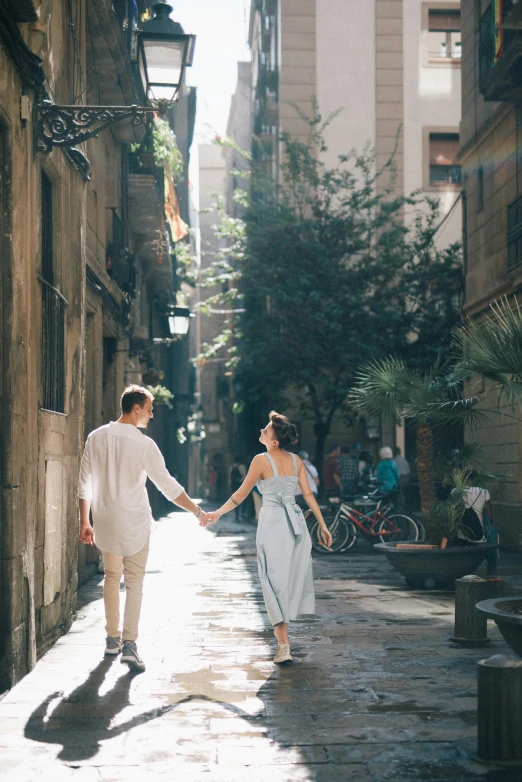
(500,53)
(147,221)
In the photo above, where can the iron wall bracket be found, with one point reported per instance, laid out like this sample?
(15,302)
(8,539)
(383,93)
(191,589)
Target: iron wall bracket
(68,126)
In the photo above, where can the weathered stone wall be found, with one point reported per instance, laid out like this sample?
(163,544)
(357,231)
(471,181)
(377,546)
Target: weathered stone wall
(489,133)
(40,448)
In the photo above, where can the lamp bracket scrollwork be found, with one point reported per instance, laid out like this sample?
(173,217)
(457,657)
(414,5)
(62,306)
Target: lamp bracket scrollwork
(68,126)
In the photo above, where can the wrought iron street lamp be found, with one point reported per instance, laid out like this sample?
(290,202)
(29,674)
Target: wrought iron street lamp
(164,53)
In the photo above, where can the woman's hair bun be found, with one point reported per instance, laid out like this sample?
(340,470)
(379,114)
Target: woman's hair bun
(285,432)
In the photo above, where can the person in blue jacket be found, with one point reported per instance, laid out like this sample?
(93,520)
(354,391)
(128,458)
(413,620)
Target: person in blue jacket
(387,475)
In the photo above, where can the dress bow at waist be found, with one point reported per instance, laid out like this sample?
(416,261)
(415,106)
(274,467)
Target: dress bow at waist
(289,504)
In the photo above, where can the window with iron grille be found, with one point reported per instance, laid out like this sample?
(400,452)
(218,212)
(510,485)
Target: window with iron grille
(514,234)
(53,311)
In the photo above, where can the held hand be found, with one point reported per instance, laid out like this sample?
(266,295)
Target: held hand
(87,534)
(326,537)
(203,519)
(212,518)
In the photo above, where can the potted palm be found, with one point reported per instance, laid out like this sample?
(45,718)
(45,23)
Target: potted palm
(447,559)
(426,400)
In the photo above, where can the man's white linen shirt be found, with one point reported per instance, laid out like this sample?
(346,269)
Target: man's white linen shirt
(116,462)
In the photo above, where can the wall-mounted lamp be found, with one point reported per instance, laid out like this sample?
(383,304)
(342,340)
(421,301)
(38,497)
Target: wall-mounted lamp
(164,52)
(179,321)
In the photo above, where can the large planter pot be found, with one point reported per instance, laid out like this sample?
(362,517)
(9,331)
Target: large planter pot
(503,611)
(431,568)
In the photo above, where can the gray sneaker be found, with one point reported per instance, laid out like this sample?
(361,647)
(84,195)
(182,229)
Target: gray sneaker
(113,645)
(131,657)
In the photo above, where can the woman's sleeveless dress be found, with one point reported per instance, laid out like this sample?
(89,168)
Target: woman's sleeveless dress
(284,549)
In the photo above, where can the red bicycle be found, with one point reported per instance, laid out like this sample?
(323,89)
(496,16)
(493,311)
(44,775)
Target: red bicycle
(381,526)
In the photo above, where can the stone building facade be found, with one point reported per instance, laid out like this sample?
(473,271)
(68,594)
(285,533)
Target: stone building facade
(81,283)
(490,154)
(392,68)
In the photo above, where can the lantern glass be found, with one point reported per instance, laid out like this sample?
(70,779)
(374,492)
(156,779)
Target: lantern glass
(179,321)
(162,67)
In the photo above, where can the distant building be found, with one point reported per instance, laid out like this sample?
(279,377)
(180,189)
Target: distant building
(393,67)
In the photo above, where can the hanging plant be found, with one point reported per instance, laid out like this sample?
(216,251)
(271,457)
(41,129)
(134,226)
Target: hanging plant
(165,147)
(162,395)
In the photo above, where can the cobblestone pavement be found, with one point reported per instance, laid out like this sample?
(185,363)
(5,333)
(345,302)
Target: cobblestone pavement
(377,691)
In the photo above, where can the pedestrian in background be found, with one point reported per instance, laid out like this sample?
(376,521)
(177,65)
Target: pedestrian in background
(404,470)
(479,500)
(116,462)
(311,473)
(349,472)
(237,476)
(332,473)
(365,470)
(387,475)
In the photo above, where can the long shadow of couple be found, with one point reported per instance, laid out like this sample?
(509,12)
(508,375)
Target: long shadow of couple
(80,736)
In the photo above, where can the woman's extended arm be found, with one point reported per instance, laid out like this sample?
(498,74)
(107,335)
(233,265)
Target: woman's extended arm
(310,500)
(253,475)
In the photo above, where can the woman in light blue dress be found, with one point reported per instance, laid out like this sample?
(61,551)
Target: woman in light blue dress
(283,541)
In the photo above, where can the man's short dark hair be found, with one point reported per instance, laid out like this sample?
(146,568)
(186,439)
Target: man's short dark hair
(345,449)
(396,450)
(134,395)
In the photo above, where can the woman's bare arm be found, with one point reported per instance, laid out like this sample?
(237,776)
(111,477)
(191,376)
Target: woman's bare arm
(312,503)
(254,474)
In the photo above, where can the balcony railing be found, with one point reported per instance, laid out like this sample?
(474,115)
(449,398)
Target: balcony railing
(514,234)
(120,263)
(500,54)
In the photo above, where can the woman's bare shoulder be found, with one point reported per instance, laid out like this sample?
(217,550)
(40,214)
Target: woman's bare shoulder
(258,460)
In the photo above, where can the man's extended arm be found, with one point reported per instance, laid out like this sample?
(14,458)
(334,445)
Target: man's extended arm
(154,465)
(184,501)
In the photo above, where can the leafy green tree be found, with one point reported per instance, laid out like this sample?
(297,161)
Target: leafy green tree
(326,274)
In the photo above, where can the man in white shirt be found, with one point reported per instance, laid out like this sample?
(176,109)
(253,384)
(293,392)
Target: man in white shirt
(116,463)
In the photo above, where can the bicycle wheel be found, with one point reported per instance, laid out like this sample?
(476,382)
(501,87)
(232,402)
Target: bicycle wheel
(352,535)
(340,535)
(397,528)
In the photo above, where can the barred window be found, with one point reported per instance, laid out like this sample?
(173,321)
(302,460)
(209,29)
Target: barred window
(53,311)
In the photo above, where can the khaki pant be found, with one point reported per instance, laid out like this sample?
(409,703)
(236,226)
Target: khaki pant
(134,573)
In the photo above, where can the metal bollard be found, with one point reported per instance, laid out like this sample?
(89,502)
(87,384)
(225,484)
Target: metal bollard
(500,708)
(471,628)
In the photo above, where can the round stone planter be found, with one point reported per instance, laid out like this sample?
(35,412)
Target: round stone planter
(432,567)
(509,624)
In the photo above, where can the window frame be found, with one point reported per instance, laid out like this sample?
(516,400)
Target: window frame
(427,62)
(52,297)
(427,185)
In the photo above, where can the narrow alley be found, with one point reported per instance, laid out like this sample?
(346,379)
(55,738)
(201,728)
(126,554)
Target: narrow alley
(376,692)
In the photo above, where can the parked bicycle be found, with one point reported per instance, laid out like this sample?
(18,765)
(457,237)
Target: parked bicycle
(384,525)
